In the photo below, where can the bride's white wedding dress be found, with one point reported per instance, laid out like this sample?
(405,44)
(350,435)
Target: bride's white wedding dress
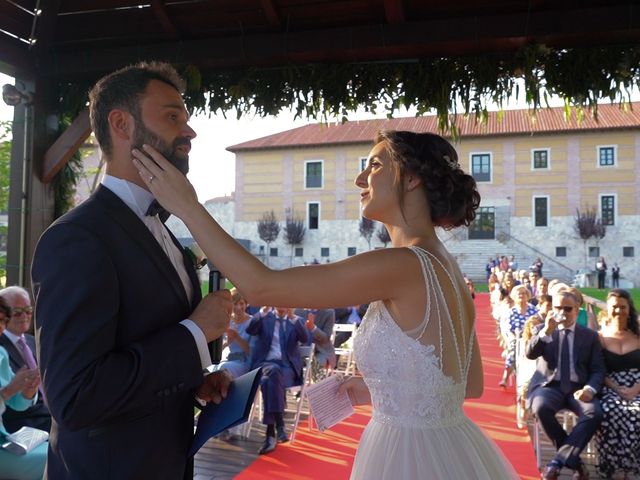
(417,381)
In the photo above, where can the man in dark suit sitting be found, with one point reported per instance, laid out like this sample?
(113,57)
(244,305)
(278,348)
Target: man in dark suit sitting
(275,349)
(21,347)
(570,372)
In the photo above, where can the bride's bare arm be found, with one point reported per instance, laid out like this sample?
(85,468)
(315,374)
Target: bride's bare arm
(475,379)
(380,274)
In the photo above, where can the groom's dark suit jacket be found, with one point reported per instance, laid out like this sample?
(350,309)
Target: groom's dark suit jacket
(37,415)
(119,370)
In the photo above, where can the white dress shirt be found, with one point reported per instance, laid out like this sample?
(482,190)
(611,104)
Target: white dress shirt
(138,200)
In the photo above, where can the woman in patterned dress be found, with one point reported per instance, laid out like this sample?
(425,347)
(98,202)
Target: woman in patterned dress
(518,315)
(618,440)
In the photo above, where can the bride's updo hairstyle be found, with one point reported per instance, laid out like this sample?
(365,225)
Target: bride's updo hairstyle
(452,194)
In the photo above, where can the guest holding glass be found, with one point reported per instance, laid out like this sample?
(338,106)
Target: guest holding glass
(618,441)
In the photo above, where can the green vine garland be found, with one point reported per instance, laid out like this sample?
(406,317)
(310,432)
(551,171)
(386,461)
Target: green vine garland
(446,85)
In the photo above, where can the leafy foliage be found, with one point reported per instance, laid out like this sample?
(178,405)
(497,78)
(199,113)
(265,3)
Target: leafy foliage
(440,84)
(366,228)
(5,164)
(268,227)
(383,235)
(294,231)
(587,226)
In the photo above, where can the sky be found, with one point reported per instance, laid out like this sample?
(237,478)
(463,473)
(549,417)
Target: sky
(212,167)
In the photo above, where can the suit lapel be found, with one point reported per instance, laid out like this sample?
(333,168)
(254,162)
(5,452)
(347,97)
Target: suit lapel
(122,215)
(191,271)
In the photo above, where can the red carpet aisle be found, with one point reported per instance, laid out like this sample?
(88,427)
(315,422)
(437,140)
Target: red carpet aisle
(329,455)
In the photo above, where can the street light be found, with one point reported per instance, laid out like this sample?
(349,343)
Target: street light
(13,97)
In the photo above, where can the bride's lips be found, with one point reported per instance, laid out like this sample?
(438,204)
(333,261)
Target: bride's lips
(364,195)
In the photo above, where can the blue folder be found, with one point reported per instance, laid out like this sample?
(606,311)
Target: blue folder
(232,411)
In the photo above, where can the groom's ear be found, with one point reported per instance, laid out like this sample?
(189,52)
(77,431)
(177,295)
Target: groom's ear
(121,124)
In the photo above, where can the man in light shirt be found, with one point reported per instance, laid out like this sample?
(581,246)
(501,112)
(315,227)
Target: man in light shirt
(121,328)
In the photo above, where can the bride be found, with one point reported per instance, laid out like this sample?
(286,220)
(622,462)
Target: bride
(416,346)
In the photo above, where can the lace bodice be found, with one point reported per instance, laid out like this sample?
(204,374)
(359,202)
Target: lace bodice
(405,371)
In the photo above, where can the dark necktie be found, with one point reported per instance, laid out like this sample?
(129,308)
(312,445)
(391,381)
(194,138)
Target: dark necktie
(280,325)
(565,363)
(156,209)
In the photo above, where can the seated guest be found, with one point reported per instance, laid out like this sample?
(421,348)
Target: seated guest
(518,314)
(320,325)
(569,374)
(352,315)
(19,391)
(275,349)
(21,347)
(526,368)
(617,441)
(585,318)
(237,338)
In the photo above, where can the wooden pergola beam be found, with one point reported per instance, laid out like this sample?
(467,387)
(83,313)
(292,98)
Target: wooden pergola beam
(462,36)
(160,11)
(66,145)
(271,14)
(394,11)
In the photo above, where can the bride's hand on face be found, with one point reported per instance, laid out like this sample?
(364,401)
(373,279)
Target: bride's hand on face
(168,185)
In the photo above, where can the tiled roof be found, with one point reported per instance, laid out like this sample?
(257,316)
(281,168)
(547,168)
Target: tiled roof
(512,122)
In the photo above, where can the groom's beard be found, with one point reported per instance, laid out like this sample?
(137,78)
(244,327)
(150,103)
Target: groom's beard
(178,159)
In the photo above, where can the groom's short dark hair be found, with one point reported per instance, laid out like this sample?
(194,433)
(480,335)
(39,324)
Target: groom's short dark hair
(124,89)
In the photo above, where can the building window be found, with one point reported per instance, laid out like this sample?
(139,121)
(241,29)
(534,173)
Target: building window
(273,252)
(540,159)
(606,156)
(541,211)
(299,251)
(608,209)
(351,251)
(481,167)
(484,225)
(261,249)
(363,163)
(561,251)
(324,252)
(628,252)
(313,174)
(594,252)
(313,215)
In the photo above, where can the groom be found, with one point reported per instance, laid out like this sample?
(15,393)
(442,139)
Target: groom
(121,328)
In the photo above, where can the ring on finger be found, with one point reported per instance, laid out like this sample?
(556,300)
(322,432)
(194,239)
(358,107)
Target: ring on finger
(152,178)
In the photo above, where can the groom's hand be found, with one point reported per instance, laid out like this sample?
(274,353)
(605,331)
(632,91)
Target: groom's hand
(213,313)
(215,387)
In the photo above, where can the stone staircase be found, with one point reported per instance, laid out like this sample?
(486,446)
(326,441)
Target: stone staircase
(472,256)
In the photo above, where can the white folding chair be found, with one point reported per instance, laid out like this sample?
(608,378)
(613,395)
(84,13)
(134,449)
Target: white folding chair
(307,353)
(345,351)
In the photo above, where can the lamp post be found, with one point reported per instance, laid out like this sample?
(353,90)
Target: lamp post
(13,97)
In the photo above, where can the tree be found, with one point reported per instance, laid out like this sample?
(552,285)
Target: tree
(366,228)
(587,226)
(294,231)
(5,165)
(383,235)
(268,229)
